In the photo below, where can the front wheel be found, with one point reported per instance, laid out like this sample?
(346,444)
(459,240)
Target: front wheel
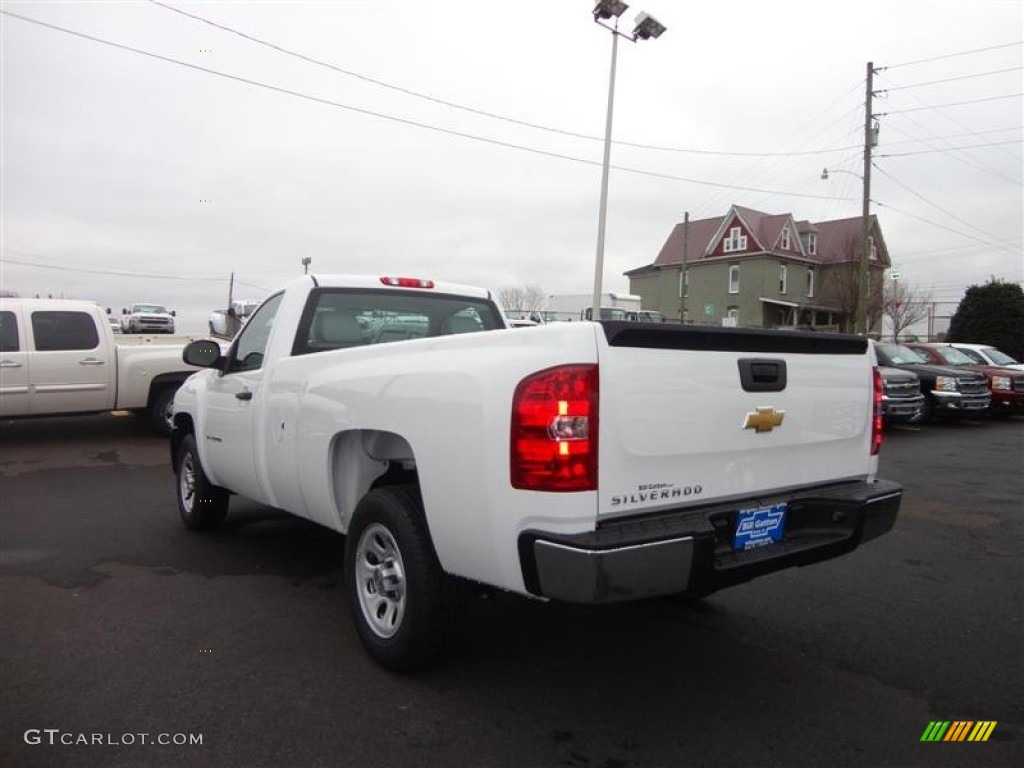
(398,595)
(161,411)
(201,504)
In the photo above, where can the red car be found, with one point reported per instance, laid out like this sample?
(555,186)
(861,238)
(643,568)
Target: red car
(1007,385)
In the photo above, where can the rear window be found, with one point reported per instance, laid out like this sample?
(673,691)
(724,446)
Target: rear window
(342,318)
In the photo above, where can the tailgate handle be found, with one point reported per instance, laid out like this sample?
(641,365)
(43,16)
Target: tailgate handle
(762,374)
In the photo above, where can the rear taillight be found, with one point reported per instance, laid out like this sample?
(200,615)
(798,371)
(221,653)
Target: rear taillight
(554,430)
(876,415)
(407,282)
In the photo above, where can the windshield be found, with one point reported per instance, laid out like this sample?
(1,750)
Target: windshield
(999,357)
(954,356)
(156,309)
(896,354)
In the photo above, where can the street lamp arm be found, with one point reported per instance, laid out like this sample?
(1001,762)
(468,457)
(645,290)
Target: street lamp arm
(826,171)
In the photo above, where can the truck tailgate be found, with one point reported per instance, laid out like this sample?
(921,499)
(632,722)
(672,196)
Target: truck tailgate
(694,415)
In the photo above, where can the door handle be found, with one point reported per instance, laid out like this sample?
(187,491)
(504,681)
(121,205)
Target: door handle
(9,364)
(245,394)
(90,361)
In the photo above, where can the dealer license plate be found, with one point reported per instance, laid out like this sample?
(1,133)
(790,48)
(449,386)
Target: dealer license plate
(759,527)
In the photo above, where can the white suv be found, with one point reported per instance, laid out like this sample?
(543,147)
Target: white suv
(986,355)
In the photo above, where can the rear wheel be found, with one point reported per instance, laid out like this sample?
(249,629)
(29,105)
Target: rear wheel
(399,597)
(202,504)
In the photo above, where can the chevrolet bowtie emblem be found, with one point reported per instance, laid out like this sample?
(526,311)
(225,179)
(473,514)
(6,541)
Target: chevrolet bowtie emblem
(764,419)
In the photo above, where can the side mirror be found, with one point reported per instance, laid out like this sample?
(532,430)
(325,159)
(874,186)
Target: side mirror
(202,354)
(174,313)
(232,312)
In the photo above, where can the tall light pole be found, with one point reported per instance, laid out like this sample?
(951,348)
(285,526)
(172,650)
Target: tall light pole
(306,261)
(647,27)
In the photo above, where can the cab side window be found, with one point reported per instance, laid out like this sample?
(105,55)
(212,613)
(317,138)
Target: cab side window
(252,341)
(59,331)
(8,332)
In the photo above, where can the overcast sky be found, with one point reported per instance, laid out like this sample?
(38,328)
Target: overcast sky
(109,155)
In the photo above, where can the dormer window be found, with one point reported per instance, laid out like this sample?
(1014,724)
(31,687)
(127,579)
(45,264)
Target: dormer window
(812,244)
(785,239)
(736,241)
(874,249)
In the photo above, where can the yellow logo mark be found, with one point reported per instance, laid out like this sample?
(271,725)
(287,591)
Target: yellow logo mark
(764,419)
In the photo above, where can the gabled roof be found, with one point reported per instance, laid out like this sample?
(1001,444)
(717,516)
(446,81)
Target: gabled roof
(700,234)
(838,240)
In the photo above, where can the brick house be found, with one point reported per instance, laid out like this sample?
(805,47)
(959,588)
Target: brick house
(764,270)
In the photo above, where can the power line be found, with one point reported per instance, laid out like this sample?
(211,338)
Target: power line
(948,149)
(953,79)
(933,223)
(1000,243)
(402,120)
(958,135)
(953,55)
(959,157)
(951,104)
(121,273)
(476,110)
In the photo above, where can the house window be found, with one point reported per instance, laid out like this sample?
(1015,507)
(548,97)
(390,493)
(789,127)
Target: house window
(684,282)
(874,250)
(812,244)
(734,278)
(782,278)
(736,241)
(785,240)
(810,282)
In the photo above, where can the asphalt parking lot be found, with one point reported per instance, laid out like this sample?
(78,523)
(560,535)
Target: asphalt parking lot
(118,622)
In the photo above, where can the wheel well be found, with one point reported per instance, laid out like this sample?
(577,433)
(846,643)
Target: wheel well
(163,382)
(182,426)
(366,459)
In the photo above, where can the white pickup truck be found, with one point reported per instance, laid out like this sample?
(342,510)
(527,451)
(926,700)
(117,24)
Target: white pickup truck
(583,462)
(60,357)
(224,323)
(147,318)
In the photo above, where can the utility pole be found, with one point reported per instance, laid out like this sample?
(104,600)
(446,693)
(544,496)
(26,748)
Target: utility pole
(870,139)
(231,290)
(682,272)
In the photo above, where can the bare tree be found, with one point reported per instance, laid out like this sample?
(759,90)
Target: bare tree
(905,304)
(522,298)
(534,298)
(841,289)
(511,298)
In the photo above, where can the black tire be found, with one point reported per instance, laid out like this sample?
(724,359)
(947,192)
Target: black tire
(161,411)
(201,504)
(925,414)
(400,600)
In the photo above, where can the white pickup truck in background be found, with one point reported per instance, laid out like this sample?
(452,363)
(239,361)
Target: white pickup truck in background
(583,462)
(60,357)
(225,323)
(147,318)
